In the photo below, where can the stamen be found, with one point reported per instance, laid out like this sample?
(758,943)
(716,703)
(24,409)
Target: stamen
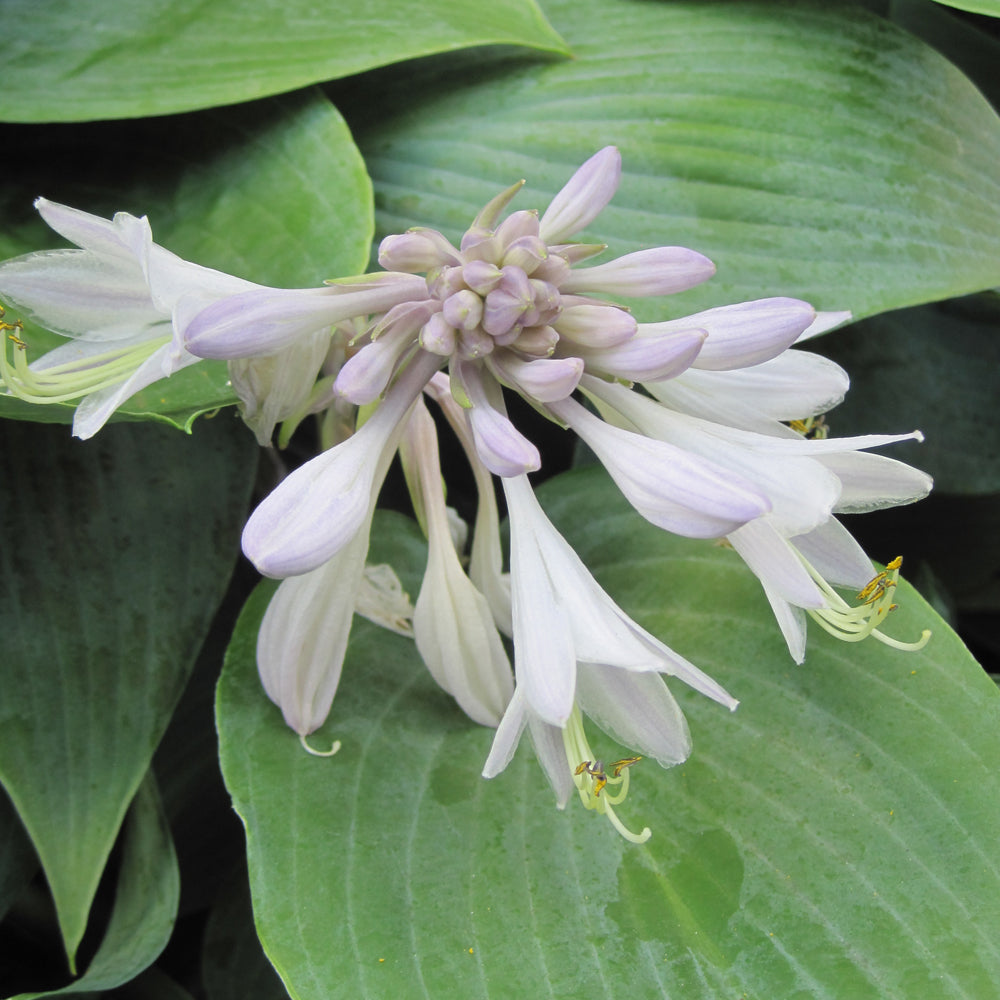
(814,428)
(72,379)
(591,777)
(318,753)
(857,623)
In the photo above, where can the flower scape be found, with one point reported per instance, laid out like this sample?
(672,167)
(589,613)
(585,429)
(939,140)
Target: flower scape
(709,424)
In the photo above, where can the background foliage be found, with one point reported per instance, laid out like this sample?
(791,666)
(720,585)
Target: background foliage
(831,838)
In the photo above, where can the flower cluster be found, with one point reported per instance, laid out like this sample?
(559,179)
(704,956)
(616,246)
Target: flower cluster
(698,420)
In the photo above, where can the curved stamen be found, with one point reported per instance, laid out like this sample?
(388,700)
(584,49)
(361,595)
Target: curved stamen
(852,624)
(591,778)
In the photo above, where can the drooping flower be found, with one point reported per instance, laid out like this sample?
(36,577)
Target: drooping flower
(114,297)
(123,301)
(743,419)
(574,647)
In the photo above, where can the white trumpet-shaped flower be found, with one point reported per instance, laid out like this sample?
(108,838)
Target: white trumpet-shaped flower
(115,297)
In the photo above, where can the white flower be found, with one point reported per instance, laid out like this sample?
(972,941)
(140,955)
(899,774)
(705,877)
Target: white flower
(129,305)
(562,616)
(115,297)
(797,548)
(303,637)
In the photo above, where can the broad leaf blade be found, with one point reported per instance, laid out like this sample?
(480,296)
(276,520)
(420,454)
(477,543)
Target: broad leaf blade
(810,150)
(833,837)
(154,57)
(275,192)
(145,901)
(114,567)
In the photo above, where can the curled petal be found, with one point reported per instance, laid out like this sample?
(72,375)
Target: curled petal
(636,710)
(824,323)
(768,554)
(76,294)
(583,197)
(658,271)
(836,556)
(871,482)
(94,410)
(551,574)
(792,386)
(507,736)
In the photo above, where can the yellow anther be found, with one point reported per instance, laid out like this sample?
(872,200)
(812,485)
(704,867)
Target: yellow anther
(812,427)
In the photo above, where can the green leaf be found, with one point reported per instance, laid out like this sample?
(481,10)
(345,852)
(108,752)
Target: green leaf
(810,150)
(989,7)
(154,57)
(275,192)
(145,901)
(924,368)
(832,838)
(118,552)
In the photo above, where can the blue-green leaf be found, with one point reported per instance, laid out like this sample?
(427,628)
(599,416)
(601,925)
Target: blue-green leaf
(832,838)
(118,552)
(98,59)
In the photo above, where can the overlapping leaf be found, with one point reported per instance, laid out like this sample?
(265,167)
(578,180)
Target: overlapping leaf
(117,554)
(833,837)
(145,901)
(274,192)
(809,149)
(68,64)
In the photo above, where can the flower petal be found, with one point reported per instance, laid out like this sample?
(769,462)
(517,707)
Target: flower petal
(668,486)
(303,636)
(265,320)
(636,710)
(657,271)
(583,197)
(646,358)
(319,508)
(768,554)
